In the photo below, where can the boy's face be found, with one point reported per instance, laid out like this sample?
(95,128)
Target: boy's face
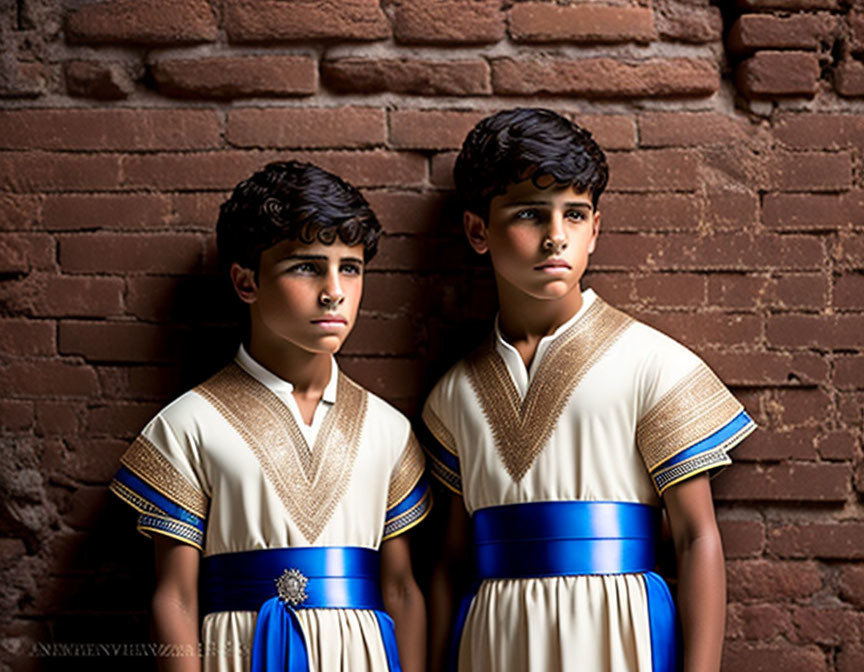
(539,239)
(306,296)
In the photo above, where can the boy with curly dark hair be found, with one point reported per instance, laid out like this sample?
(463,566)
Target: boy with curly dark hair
(279,480)
(564,434)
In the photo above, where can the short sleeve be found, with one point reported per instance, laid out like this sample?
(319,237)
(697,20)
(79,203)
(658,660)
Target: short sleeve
(440,444)
(158,479)
(691,424)
(409,497)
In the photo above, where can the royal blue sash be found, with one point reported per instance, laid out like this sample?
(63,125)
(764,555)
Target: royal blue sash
(276,582)
(573,538)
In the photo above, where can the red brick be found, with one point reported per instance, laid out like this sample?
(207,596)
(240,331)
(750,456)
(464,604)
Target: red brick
(92,461)
(120,341)
(720,252)
(811,171)
(49,377)
(801,406)
(304,20)
(412,212)
(141,382)
(55,418)
(448,22)
(21,79)
(742,538)
(764,445)
(441,170)
(402,293)
(849,372)
(849,78)
(27,337)
(391,378)
(110,252)
(830,626)
(46,171)
(835,541)
(764,31)
(408,76)
(678,290)
(778,73)
(735,290)
(701,330)
(820,131)
(849,250)
(24,252)
(412,253)
(604,77)
(649,212)
(98,80)
(132,130)
(19,211)
(806,482)
(743,657)
(759,5)
(653,170)
(769,368)
(812,212)
(196,210)
(192,299)
(120,420)
(543,22)
(47,295)
(15,416)
(236,77)
(431,129)
(838,446)
(798,291)
(815,331)
(852,584)
(849,292)
(309,127)
(850,408)
(687,129)
(759,621)
(761,579)
(143,22)
(730,211)
(850,657)
(611,131)
(688,22)
(391,336)
(67,212)
(855,20)
(616,288)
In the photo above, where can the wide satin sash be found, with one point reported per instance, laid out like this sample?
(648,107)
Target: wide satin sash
(311,578)
(571,538)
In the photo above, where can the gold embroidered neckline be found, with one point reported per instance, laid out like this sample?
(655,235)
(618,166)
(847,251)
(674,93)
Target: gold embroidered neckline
(522,427)
(310,482)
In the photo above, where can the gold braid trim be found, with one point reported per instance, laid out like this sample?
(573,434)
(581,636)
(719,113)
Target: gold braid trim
(438,429)
(407,471)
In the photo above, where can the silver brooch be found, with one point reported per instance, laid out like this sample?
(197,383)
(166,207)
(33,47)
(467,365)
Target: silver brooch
(291,587)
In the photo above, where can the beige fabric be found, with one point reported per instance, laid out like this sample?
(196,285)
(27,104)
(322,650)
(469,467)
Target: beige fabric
(246,511)
(585,623)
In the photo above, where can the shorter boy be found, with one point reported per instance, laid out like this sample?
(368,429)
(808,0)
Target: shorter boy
(279,477)
(563,432)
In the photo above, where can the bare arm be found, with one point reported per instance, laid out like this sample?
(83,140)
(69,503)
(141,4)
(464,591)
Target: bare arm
(404,602)
(445,589)
(175,604)
(701,573)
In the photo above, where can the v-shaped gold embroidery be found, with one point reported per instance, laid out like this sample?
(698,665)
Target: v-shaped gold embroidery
(522,427)
(309,482)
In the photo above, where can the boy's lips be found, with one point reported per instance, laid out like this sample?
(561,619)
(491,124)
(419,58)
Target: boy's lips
(552,265)
(331,321)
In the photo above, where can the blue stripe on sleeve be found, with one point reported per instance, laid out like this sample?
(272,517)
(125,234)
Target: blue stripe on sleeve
(719,437)
(157,499)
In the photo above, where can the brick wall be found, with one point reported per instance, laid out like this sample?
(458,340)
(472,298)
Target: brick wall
(734,221)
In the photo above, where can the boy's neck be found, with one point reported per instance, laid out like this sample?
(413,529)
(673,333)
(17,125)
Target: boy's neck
(308,372)
(524,320)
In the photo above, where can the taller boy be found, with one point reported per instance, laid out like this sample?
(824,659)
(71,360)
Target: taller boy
(561,434)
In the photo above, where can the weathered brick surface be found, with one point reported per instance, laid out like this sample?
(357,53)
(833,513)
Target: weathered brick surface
(544,22)
(274,21)
(604,78)
(236,77)
(734,220)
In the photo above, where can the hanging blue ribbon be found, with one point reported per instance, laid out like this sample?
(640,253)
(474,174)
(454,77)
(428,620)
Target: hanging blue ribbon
(336,578)
(571,538)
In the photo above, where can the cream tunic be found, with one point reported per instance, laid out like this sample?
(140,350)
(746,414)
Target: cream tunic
(232,453)
(607,407)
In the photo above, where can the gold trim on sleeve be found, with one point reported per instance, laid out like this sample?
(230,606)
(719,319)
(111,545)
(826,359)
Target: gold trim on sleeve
(407,471)
(309,483)
(522,427)
(696,407)
(437,428)
(147,462)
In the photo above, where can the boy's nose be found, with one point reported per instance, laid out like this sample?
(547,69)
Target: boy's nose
(331,294)
(556,236)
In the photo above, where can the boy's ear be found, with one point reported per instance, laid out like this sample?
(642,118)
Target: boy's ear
(592,246)
(476,230)
(243,280)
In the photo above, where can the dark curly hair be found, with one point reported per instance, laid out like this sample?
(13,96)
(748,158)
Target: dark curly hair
(294,201)
(526,143)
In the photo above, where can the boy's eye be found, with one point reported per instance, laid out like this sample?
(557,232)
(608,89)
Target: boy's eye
(351,269)
(303,267)
(528,213)
(577,215)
